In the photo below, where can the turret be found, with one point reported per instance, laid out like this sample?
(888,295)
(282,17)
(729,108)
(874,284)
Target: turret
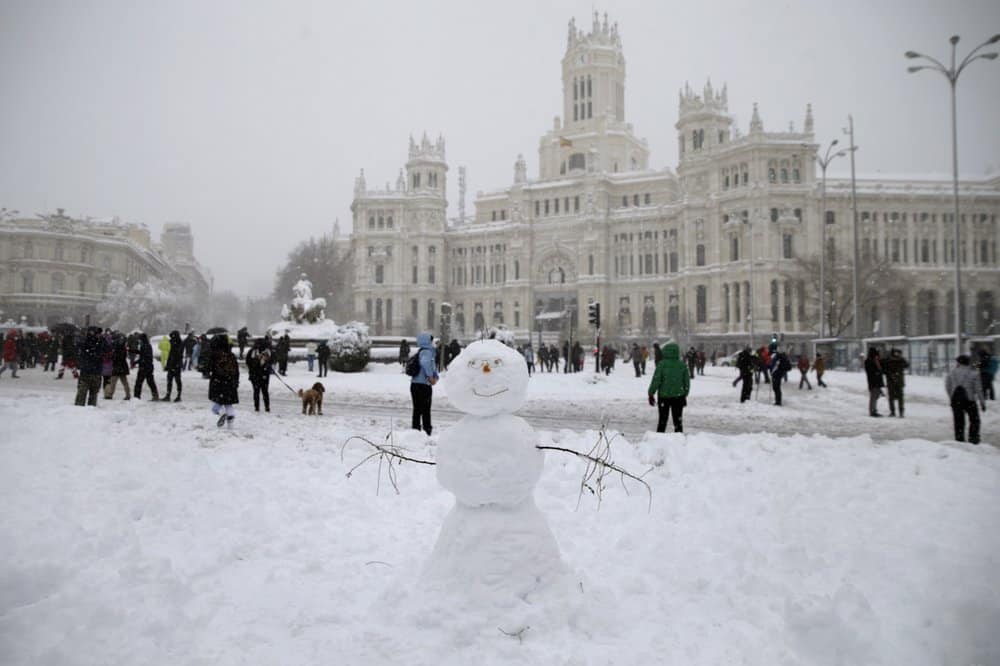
(703,121)
(593,75)
(426,168)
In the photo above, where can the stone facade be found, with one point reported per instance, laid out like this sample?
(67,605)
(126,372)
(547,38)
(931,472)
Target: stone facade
(56,268)
(665,252)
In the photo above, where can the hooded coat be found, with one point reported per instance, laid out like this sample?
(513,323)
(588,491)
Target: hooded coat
(428,367)
(224,373)
(175,358)
(672,378)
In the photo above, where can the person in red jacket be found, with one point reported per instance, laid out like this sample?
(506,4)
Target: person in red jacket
(10,353)
(803,366)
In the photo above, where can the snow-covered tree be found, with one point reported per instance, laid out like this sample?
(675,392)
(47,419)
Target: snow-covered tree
(152,306)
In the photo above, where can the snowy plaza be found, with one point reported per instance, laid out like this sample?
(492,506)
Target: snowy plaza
(138,533)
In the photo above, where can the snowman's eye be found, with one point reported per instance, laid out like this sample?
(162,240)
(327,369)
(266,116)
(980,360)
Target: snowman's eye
(472,364)
(497,362)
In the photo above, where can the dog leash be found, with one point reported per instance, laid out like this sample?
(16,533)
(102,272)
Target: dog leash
(283,382)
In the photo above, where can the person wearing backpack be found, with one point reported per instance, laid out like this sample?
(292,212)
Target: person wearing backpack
(964,387)
(780,366)
(669,388)
(223,380)
(259,370)
(423,376)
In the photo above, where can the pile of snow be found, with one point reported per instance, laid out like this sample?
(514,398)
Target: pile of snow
(321,330)
(139,533)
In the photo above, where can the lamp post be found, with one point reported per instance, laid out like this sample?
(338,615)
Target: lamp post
(750,301)
(856,317)
(952,73)
(824,162)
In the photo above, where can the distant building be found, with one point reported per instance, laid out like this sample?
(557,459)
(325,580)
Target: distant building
(665,253)
(56,268)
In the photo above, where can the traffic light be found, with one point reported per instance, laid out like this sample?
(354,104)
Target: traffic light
(594,314)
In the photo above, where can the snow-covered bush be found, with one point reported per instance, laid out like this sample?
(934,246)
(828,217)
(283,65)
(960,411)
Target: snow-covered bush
(350,348)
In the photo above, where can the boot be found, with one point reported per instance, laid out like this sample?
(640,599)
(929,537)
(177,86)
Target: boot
(229,422)
(156,395)
(177,399)
(222,421)
(166,398)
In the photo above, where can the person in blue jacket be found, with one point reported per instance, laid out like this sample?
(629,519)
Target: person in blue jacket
(421,384)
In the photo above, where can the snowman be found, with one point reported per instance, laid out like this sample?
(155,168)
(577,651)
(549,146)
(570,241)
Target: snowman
(495,541)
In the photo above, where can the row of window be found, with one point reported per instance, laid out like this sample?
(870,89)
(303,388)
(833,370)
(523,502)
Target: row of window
(698,140)
(946,218)
(647,199)
(58,283)
(59,253)
(380,219)
(925,251)
(784,171)
(552,207)
(787,297)
(379,314)
(432,179)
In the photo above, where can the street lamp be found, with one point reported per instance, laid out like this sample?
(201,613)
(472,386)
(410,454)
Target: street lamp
(856,317)
(824,162)
(952,73)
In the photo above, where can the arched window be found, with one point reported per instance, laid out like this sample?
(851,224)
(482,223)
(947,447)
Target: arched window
(379,273)
(700,255)
(431,310)
(784,175)
(27,282)
(590,264)
(517,269)
(29,250)
(82,282)
(58,283)
(577,161)
(59,252)
(701,304)
(774,300)
(388,224)
(371,221)
(734,249)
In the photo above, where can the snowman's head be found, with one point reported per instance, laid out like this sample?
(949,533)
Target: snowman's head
(487,378)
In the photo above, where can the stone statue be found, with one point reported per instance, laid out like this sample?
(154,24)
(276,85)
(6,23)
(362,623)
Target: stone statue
(304,309)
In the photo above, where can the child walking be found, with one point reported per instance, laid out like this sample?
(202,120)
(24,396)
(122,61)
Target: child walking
(223,380)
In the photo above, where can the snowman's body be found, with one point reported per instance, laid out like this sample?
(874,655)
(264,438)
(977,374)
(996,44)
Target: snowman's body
(494,538)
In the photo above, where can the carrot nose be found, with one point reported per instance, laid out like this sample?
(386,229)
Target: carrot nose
(486,367)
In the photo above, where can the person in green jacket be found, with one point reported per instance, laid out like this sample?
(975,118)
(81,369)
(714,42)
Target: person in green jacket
(164,351)
(671,384)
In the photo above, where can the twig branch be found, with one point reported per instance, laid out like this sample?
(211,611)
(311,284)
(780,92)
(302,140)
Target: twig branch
(599,466)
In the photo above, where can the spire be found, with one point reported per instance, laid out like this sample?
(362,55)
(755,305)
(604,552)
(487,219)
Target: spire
(596,27)
(520,169)
(755,123)
(725,97)
(571,36)
(336,228)
(809,119)
(400,181)
(708,91)
(360,187)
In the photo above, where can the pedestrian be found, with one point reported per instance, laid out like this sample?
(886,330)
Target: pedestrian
(106,363)
(10,353)
(189,343)
(242,339)
(119,368)
(145,364)
(692,360)
(529,358)
(322,357)
(657,355)
(132,345)
(987,371)
(69,357)
(281,353)
(175,357)
(964,390)
(259,371)
(454,349)
(310,354)
(89,354)
(164,347)
(746,363)
(894,369)
(51,353)
(876,380)
(223,380)
(644,352)
(421,384)
(819,365)
(404,352)
(195,353)
(803,365)
(701,359)
(780,365)
(636,354)
(670,386)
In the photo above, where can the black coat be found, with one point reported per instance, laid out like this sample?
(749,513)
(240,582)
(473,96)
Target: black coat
(145,356)
(176,356)
(223,378)
(119,359)
(873,370)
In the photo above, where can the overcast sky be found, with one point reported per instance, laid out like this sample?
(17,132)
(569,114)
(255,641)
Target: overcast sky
(250,120)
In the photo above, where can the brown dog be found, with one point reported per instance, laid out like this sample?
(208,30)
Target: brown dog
(312,399)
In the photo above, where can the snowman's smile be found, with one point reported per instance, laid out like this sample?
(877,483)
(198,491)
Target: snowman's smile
(488,395)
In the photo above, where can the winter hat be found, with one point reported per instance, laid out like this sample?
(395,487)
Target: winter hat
(963,359)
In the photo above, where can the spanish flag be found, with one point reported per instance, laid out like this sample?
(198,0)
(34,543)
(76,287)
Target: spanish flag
(565,143)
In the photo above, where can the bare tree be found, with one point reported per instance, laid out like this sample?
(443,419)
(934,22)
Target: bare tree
(877,279)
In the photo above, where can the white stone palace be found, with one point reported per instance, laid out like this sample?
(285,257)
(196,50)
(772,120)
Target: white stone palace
(56,268)
(665,252)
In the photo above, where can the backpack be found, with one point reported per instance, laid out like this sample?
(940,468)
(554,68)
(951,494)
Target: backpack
(784,364)
(413,365)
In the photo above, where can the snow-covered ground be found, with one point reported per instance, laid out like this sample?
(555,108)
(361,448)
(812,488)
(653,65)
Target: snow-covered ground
(138,533)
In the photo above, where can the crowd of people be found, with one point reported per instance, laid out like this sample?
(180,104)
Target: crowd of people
(101,360)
